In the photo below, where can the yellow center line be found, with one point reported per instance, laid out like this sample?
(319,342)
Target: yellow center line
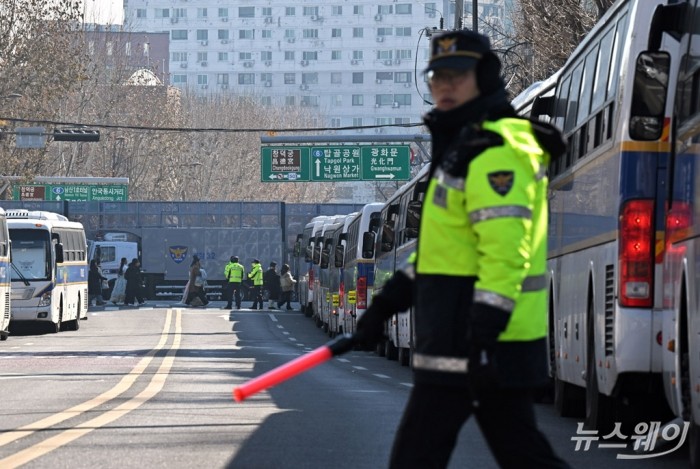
(151,390)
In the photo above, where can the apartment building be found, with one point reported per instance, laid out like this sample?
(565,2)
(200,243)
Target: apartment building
(356,63)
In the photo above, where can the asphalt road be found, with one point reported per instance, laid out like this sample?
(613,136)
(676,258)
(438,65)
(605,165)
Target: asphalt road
(152,387)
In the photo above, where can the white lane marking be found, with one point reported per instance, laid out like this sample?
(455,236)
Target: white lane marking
(292,339)
(344,360)
(381,376)
(273,317)
(408,385)
(360,368)
(280,326)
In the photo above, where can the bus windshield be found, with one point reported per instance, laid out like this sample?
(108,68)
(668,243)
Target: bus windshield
(30,254)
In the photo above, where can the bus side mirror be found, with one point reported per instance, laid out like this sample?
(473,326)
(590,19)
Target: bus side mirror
(59,253)
(649,95)
(339,258)
(368,245)
(297,249)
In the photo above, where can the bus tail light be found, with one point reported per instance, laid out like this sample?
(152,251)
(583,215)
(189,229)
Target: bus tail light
(362,293)
(678,220)
(636,256)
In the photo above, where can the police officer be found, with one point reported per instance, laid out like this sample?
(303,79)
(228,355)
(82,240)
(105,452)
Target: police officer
(256,275)
(233,272)
(477,282)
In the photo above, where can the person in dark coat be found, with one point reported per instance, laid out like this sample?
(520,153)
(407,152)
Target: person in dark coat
(271,280)
(134,282)
(95,279)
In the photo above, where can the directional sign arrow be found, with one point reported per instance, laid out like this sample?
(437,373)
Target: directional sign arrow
(318,167)
(384,176)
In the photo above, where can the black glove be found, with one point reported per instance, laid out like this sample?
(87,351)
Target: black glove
(487,322)
(370,326)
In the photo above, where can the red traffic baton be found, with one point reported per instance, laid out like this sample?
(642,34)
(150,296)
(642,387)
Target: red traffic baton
(338,346)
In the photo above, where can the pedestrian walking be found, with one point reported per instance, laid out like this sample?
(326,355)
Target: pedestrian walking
(197,283)
(119,289)
(271,280)
(134,283)
(256,276)
(95,279)
(233,272)
(477,281)
(287,283)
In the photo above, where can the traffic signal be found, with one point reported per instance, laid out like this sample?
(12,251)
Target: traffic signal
(76,135)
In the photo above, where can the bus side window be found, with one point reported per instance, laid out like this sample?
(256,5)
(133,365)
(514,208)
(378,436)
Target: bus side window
(649,95)
(413,218)
(368,240)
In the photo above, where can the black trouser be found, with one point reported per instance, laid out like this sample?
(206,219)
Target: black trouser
(286,298)
(233,289)
(257,296)
(434,416)
(197,292)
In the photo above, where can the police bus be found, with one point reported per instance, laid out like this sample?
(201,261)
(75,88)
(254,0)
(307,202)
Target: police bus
(4,277)
(305,278)
(358,266)
(322,277)
(680,338)
(396,241)
(49,269)
(613,102)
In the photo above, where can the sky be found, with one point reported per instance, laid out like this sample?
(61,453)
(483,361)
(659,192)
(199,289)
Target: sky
(104,11)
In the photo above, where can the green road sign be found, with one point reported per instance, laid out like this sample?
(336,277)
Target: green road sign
(72,192)
(335,164)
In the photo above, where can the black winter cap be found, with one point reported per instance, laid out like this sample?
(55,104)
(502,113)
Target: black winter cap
(458,50)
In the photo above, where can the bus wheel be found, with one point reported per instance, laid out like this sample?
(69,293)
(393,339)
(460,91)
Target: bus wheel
(567,399)
(75,325)
(3,335)
(391,352)
(381,348)
(599,407)
(56,327)
(404,356)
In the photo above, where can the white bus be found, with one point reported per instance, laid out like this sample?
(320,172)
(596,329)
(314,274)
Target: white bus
(357,263)
(4,277)
(49,269)
(606,203)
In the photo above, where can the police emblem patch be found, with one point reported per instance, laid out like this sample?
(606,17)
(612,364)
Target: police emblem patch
(501,181)
(178,253)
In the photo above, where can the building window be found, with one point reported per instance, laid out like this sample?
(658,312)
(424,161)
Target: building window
(357,55)
(357,10)
(246,34)
(402,120)
(357,121)
(289,11)
(385,76)
(405,32)
(290,78)
(223,12)
(266,100)
(337,100)
(202,56)
(310,11)
(178,34)
(245,56)
(246,12)
(336,55)
(337,10)
(201,12)
(335,122)
(266,55)
(141,13)
(384,99)
(202,34)
(336,78)
(223,34)
(246,78)
(310,34)
(309,78)
(358,32)
(162,12)
(202,79)
(385,9)
(308,55)
(384,54)
(336,32)
(309,101)
(223,56)
(266,34)
(403,77)
(180,12)
(403,99)
(179,79)
(289,55)
(358,77)
(289,101)
(404,9)
(384,31)
(179,56)
(265,77)
(222,78)
(404,54)
(358,100)
(267,11)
